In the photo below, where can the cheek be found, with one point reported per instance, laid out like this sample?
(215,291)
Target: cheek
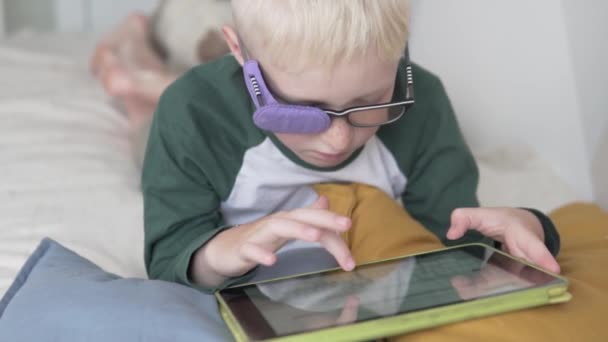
(362,135)
(302,142)
(294,142)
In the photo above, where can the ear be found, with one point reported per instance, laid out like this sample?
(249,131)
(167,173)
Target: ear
(232,40)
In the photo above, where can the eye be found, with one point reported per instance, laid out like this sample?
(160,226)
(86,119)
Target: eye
(313,104)
(308,104)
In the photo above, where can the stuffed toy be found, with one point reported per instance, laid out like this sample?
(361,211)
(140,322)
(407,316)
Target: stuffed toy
(188,32)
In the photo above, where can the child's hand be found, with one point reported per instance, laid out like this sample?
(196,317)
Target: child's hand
(519,231)
(237,250)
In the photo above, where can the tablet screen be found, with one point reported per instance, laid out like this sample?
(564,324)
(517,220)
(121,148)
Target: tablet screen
(372,291)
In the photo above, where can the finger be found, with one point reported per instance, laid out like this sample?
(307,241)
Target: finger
(479,284)
(482,220)
(350,311)
(280,228)
(320,203)
(115,81)
(253,253)
(516,267)
(320,218)
(543,258)
(537,253)
(461,281)
(463,286)
(104,59)
(460,223)
(334,244)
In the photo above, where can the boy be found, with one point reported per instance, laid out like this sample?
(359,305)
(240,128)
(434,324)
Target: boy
(234,152)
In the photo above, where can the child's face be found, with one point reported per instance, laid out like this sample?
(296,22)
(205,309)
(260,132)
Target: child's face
(364,81)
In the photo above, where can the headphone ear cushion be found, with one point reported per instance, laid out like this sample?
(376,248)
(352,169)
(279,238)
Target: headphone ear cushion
(282,118)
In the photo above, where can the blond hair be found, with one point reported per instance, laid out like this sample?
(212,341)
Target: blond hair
(295,33)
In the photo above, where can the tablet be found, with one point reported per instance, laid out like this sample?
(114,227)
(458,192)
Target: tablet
(388,297)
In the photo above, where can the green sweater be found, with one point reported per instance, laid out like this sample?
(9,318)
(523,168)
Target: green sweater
(208,167)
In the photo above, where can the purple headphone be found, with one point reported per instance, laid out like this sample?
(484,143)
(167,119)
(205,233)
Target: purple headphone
(270,115)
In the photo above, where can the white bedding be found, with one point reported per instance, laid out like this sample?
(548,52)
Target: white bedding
(66,169)
(67,172)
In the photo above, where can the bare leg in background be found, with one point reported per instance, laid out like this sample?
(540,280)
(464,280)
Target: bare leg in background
(130,70)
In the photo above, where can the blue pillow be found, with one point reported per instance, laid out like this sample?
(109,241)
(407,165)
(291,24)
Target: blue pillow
(60,296)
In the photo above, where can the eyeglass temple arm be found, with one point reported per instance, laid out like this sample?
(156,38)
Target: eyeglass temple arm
(409,88)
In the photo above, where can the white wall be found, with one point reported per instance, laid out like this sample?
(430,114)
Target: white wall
(97,15)
(587,26)
(28,14)
(2,28)
(508,70)
(600,170)
(107,13)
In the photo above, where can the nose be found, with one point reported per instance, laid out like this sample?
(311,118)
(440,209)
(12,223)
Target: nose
(339,135)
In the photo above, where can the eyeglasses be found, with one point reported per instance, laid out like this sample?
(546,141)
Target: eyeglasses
(372,115)
(281,117)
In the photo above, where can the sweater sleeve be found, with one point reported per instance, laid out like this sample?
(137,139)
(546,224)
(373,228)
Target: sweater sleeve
(552,239)
(181,207)
(443,175)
